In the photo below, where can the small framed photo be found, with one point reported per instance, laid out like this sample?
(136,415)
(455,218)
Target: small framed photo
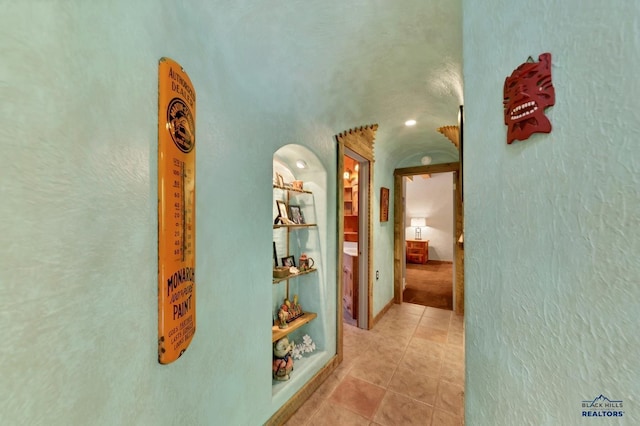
(279,180)
(282,210)
(296,215)
(289,261)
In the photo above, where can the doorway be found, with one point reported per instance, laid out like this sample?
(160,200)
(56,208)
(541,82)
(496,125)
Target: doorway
(355,148)
(399,234)
(355,180)
(350,266)
(429,235)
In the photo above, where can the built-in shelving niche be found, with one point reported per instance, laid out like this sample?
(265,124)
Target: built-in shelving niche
(316,289)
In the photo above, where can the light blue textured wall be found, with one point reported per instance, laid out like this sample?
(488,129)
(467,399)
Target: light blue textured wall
(552,223)
(382,231)
(78,216)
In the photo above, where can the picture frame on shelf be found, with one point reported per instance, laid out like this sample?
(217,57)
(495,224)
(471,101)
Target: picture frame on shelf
(296,215)
(279,180)
(289,261)
(282,210)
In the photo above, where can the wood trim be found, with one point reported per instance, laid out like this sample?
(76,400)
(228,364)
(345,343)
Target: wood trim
(432,168)
(398,233)
(398,230)
(340,244)
(459,248)
(383,311)
(361,141)
(291,406)
(370,245)
(452,133)
(278,333)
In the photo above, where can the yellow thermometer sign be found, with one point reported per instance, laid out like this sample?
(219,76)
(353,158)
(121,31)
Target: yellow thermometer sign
(176,211)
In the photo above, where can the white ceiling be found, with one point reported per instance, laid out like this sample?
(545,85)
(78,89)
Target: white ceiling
(354,63)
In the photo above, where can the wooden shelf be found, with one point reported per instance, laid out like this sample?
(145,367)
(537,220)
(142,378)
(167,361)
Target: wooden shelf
(278,333)
(285,188)
(295,226)
(277,280)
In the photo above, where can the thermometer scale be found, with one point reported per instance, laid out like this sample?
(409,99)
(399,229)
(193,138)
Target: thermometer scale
(176,211)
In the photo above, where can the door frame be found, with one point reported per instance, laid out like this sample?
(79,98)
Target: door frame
(366,317)
(360,141)
(398,228)
(364,233)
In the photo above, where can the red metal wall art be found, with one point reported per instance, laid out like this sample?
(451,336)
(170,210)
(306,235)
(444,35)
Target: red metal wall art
(528,91)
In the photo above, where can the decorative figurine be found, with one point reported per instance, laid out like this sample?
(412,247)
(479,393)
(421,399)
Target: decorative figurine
(282,359)
(284,314)
(296,308)
(288,312)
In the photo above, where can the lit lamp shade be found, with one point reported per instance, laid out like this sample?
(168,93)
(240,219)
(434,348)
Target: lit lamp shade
(417,223)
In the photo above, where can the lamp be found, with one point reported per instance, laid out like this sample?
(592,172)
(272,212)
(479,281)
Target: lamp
(418,223)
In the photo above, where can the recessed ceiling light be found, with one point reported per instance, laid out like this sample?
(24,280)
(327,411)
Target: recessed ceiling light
(301,164)
(426,160)
(410,123)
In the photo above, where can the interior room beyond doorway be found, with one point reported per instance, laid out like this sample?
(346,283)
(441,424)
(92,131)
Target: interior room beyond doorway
(399,246)
(429,240)
(350,291)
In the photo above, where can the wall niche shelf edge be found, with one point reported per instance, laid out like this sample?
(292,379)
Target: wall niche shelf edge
(278,333)
(309,271)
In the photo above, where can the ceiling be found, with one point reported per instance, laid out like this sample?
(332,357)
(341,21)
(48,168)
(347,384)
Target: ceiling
(352,64)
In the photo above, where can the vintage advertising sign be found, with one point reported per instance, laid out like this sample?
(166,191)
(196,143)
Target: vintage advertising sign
(176,211)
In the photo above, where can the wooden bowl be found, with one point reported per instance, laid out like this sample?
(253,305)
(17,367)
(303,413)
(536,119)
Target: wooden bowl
(280,271)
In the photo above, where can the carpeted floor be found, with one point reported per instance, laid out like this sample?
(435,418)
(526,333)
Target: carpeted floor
(429,284)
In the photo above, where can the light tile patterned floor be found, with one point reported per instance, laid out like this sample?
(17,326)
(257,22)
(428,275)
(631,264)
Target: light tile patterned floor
(407,370)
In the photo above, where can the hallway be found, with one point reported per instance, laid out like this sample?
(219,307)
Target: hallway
(408,370)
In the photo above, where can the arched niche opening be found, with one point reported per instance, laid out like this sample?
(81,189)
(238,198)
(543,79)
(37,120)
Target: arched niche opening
(316,290)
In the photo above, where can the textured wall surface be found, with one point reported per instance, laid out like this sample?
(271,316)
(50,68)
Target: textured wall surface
(78,270)
(552,224)
(432,198)
(78,185)
(382,231)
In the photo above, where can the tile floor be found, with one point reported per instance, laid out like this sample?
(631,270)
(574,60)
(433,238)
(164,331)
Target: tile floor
(407,370)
